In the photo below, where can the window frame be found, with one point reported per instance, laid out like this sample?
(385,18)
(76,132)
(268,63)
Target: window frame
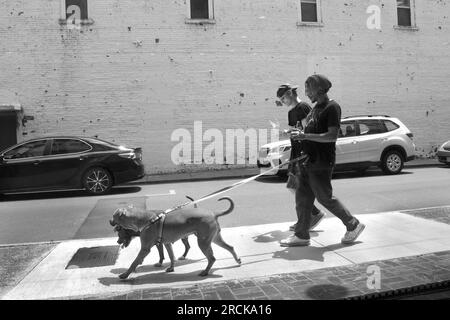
(17,146)
(412,9)
(318,23)
(379,123)
(346,123)
(68,153)
(209,20)
(384,121)
(63,19)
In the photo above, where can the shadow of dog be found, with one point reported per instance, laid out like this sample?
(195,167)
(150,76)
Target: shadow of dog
(153,267)
(158,278)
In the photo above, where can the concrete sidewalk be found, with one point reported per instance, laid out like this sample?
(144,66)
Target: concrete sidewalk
(245,173)
(404,249)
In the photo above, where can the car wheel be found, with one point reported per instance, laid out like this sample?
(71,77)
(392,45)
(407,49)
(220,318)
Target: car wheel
(392,162)
(97,181)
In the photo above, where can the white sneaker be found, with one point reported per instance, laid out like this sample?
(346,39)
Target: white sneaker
(294,241)
(350,236)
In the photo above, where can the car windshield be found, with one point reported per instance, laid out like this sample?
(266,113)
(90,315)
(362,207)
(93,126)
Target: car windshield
(27,150)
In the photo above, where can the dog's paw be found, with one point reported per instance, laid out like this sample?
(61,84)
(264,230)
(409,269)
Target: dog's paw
(239,261)
(170,269)
(182,258)
(158,265)
(204,273)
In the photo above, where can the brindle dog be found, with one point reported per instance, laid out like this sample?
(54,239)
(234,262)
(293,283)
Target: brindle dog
(176,225)
(126,235)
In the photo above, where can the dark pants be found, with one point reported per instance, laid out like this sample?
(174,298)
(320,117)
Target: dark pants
(315,183)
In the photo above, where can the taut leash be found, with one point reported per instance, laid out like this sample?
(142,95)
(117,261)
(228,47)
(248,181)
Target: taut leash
(225,189)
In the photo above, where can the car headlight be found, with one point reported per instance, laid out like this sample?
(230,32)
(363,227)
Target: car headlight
(280,149)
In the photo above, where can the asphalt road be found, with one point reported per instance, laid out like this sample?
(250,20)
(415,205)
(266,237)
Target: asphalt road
(69,215)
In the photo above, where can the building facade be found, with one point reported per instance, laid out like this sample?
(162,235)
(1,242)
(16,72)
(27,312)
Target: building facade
(140,72)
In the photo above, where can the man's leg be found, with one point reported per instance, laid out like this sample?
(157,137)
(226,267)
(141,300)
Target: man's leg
(321,184)
(304,199)
(316,217)
(320,181)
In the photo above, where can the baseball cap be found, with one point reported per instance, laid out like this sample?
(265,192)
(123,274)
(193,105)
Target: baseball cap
(285,88)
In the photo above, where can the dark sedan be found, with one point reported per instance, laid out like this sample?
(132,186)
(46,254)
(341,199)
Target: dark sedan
(61,163)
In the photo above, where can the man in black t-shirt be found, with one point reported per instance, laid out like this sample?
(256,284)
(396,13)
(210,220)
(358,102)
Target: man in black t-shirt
(296,120)
(319,143)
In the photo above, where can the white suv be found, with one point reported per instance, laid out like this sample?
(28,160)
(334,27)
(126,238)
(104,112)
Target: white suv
(363,141)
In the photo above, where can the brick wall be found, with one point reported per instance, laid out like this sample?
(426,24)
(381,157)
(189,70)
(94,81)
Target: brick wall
(140,72)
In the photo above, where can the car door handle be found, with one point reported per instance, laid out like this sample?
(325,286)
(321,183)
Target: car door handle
(354,142)
(36,162)
(82,158)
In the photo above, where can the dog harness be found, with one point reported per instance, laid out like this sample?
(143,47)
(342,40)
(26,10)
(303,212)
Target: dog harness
(160,218)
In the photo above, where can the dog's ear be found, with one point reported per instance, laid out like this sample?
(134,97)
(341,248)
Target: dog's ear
(112,223)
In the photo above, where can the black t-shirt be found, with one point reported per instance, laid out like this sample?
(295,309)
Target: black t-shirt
(297,114)
(322,116)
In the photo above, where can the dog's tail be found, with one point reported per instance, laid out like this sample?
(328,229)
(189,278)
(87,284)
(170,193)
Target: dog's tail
(219,214)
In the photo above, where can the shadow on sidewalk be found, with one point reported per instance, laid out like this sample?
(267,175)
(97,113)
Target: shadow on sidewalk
(151,267)
(308,252)
(164,277)
(278,235)
(298,253)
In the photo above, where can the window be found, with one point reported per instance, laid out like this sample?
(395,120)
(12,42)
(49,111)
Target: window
(63,146)
(390,126)
(27,150)
(405,13)
(309,12)
(367,127)
(75,12)
(347,129)
(200,11)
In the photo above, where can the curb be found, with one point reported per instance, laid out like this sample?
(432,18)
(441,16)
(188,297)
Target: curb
(237,173)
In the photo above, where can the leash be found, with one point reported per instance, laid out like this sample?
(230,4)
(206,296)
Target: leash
(302,158)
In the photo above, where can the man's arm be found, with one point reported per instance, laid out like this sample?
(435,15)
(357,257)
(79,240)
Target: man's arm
(327,137)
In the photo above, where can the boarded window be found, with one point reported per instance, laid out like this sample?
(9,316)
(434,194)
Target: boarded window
(404,13)
(199,9)
(309,10)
